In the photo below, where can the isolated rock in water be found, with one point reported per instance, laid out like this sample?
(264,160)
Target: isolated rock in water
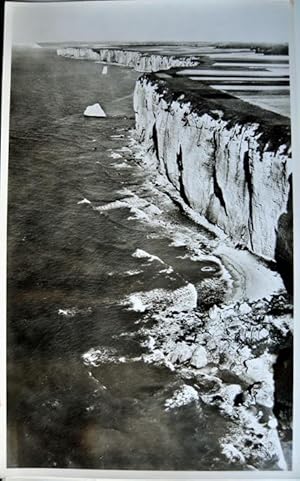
(94,111)
(199,357)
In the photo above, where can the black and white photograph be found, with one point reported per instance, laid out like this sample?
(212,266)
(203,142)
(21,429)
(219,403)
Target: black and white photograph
(150,236)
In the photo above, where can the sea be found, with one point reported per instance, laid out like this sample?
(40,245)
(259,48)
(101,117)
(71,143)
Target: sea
(76,253)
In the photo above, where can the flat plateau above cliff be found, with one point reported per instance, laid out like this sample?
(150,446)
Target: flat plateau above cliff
(275,128)
(266,48)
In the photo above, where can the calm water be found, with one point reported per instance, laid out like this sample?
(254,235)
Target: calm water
(64,255)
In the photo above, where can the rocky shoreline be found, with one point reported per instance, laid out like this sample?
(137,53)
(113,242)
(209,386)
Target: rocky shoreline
(221,340)
(227,339)
(226,353)
(226,356)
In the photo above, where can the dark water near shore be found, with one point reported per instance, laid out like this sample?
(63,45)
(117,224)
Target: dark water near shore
(64,255)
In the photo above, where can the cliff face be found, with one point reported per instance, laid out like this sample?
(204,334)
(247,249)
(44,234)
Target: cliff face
(284,243)
(228,171)
(137,60)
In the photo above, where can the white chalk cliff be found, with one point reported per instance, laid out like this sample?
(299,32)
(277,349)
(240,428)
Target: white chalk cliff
(141,62)
(225,170)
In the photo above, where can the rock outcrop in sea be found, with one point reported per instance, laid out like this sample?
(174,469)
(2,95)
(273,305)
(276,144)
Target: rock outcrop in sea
(94,111)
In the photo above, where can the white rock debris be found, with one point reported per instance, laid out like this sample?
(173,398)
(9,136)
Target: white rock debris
(183,396)
(199,357)
(203,346)
(181,353)
(223,356)
(244,308)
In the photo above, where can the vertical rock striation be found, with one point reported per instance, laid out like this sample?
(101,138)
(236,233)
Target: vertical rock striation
(141,62)
(231,168)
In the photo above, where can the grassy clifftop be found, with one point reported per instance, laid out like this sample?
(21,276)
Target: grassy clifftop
(274,128)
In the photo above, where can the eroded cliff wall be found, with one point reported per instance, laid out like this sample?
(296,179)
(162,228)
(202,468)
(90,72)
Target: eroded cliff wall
(235,173)
(139,61)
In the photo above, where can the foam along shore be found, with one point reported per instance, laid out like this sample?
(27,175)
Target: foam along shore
(204,347)
(94,110)
(224,352)
(248,278)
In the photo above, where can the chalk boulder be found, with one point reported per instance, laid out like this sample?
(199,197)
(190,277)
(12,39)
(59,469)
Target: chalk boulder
(199,357)
(94,111)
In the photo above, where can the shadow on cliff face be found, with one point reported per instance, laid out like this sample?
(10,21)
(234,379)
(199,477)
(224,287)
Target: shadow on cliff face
(283,396)
(284,243)
(283,376)
(283,368)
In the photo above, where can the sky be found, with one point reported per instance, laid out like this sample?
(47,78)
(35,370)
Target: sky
(151,20)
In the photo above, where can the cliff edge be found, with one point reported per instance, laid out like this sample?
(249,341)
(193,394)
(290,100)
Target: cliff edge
(142,62)
(229,161)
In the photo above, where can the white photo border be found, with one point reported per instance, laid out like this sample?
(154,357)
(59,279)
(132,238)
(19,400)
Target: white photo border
(36,474)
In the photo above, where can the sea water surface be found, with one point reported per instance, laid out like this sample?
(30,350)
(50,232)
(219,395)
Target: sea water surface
(71,263)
